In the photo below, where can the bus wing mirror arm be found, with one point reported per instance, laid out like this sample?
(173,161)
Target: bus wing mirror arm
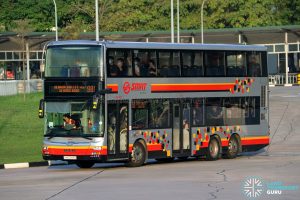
(42,108)
(96,97)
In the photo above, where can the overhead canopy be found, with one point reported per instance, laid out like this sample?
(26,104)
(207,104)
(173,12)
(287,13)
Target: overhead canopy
(9,41)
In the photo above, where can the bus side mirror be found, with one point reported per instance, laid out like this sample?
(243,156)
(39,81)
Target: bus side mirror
(42,108)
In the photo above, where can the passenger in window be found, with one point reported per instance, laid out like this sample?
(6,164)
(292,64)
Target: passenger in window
(186,134)
(112,132)
(197,116)
(151,68)
(163,119)
(137,67)
(215,112)
(113,69)
(254,67)
(121,67)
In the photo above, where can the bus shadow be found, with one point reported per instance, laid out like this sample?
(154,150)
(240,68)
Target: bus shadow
(152,162)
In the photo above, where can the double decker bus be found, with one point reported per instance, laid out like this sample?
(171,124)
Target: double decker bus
(129,102)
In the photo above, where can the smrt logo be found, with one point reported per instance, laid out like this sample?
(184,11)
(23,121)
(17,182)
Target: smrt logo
(128,87)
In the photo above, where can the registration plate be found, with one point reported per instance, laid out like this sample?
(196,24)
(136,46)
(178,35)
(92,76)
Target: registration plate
(70,157)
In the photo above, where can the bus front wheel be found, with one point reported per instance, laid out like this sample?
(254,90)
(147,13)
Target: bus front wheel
(85,164)
(213,150)
(138,155)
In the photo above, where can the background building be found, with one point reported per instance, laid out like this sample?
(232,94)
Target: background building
(279,40)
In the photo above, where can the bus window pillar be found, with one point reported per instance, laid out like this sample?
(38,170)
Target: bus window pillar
(286,46)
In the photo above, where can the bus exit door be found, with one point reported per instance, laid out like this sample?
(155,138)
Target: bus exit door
(181,129)
(117,130)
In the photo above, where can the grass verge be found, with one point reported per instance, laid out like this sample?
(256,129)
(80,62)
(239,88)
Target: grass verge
(21,131)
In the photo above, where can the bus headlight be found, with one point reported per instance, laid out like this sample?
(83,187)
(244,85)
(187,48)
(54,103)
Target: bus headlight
(97,148)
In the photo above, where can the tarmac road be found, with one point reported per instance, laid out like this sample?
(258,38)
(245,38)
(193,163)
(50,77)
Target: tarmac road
(277,167)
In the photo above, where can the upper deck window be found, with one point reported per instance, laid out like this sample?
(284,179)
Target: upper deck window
(254,64)
(73,61)
(119,63)
(169,63)
(236,64)
(215,63)
(192,63)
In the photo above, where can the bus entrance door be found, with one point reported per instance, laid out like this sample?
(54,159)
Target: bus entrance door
(117,130)
(181,129)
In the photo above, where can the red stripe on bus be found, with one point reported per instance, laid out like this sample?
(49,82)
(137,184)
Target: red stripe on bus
(154,147)
(74,152)
(191,87)
(249,141)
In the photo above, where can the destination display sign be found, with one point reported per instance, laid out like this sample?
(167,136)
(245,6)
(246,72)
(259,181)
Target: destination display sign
(73,89)
(70,89)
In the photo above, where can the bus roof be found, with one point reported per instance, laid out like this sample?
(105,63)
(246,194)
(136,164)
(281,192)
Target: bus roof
(161,45)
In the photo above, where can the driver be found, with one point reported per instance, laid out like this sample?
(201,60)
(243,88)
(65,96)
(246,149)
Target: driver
(68,121)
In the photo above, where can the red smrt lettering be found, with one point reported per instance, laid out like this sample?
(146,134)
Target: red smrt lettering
(127,87)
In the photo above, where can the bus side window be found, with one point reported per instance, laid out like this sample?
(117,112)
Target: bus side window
(254,64)
(197,112)
(159,113)
(119,63)
(139,114)
(214,112)
(252,110)
(214,63)
(192,64)
(235,64)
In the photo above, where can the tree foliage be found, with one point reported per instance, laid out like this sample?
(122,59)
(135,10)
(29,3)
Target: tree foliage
(142,15)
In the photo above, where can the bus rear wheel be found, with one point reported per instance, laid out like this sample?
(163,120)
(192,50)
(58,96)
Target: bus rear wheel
(138,155)
(233,148)
(84,164)
(213,150)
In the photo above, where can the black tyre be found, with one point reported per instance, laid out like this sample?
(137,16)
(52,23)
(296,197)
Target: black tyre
(213,150)
(233,148)
(138,155)
(84,164)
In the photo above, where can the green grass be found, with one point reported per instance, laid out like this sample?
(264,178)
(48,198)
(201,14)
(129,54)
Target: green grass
(21,131)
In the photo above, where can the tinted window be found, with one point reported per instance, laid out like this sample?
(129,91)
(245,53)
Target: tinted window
(159,113)
(254,64)
(235,64)
(144,63)
(214,111)
(197,112)
(119,63)
(251,110)
(169,63)
(214,63)
(233,111)
(139,114)
(192,63)
(264,64)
